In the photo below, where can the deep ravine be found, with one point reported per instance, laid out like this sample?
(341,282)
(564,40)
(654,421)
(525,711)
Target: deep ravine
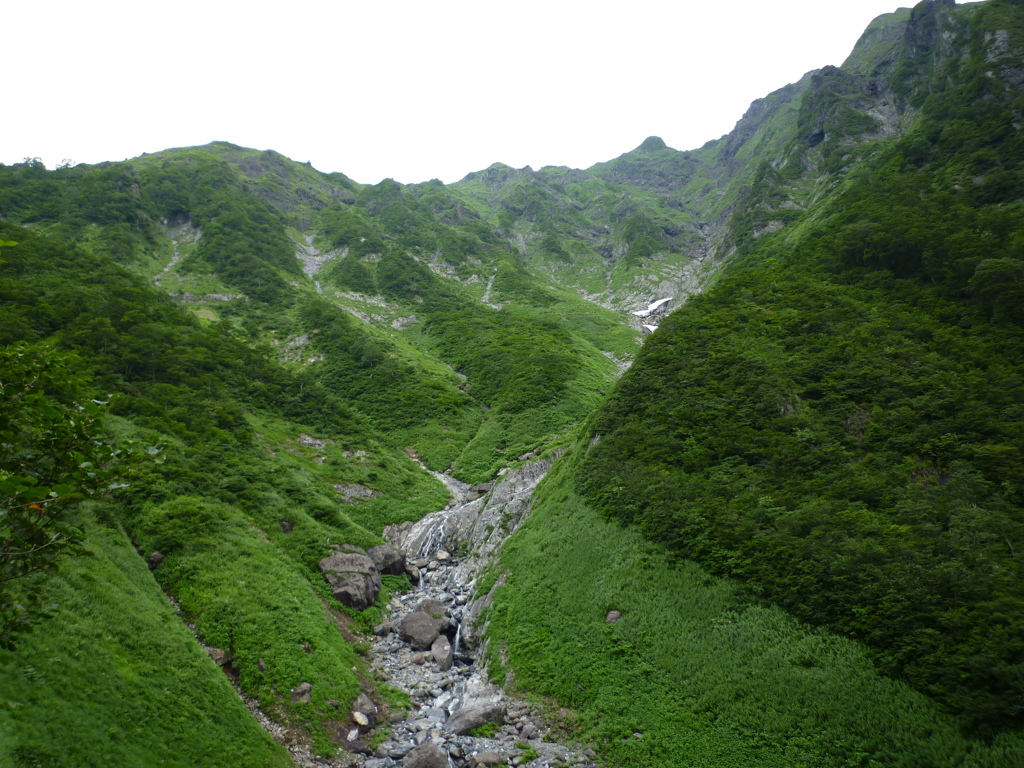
(448,687)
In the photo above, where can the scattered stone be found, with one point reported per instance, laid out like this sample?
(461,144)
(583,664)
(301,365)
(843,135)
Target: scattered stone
(441,556)
(155,559)
(612,617)
(286,527)
(303,693)
(261,664)
(355,492)
(220,658)
(364,704)
(487,758)
(361,719)
(437,714)
(419,630)
(432,607)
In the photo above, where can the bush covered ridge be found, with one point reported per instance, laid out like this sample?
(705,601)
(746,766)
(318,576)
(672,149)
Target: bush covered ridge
(694,671)
(837,422)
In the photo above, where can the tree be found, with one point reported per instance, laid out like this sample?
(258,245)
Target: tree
(53,455)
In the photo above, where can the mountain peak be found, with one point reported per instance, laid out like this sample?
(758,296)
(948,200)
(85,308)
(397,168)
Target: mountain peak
(652,144)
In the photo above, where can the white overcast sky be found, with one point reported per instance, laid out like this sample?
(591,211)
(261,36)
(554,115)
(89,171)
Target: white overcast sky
(407,90)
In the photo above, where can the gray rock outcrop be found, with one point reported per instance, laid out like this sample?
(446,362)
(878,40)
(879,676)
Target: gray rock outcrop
(353,576)
(468,718)
(364,705)
(387,559)
(427,755)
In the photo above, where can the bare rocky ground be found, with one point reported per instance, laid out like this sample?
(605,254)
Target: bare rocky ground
(449,700)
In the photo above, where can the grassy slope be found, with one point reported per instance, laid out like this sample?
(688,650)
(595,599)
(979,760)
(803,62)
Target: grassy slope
(810,334)
(706,677)
(233,423)
(102,684)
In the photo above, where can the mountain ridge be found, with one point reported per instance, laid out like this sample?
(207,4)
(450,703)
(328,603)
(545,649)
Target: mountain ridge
(820,449)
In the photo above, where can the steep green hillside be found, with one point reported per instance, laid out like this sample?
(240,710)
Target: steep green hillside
(143,692)
(695,672)
(242,508)
(837,422)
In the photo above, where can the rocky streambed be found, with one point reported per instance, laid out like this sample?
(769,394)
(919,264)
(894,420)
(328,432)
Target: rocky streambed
(430,647)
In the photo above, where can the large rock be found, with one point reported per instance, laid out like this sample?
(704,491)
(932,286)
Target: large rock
(443,653)
(419,630)
(486,760)
(353,576)
(387,559)
(465,720)
(427,755)
(432,607)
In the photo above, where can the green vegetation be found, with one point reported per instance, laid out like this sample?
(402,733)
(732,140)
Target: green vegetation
(837,422)
(143,692)
(54,457)
(694,666)
(804,497)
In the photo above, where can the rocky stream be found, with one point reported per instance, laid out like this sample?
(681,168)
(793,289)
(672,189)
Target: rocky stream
(430,645)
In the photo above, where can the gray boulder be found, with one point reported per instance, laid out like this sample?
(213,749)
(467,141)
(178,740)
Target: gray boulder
(489,759)
(443,652)
(387,559)
(354,579)
(465,720)
(427,755)
(419,630)
(432,607)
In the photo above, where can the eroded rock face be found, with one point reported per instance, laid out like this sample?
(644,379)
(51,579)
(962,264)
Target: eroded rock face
(353,576)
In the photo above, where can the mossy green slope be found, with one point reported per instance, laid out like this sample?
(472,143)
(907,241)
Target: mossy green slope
(115,678)
(695,673)
(836,422)
(249,445)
